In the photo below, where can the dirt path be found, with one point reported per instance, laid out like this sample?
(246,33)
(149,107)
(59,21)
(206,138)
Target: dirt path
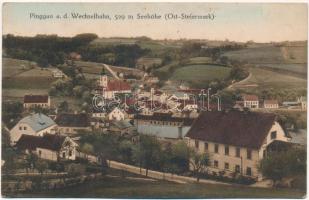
(239,82)
(111,71)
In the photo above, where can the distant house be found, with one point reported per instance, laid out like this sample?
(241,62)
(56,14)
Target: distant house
(121,127)
(98,114)
(49,146)
(303,103)
(31,101)
(163,125)
(271,104)
(116,114)
(236,141)
(112,87)
(57,73)
(250,101)
(35,124)
(69,123)
(75,56)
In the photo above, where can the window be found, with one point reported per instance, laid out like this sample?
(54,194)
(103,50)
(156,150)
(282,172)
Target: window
(216,148)
(226,150)
(216,164)
(237,168)
(226,166)
(249,154)
(63,155)
(40,153)
(273,135)
(206,146)
(237,152)
(20,128)
(25,128)
(196,144)
(248,171)
(70,153)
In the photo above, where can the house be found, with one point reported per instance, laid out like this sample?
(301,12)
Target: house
(31,101)
(112,87)
(303,103)
(250,101)
(271,104)
(116,114)
(57,73)
(236,141)
(69,123)
(35,124)
(122,127)
(98,114)
(49,146)
(75,56)
(163,125)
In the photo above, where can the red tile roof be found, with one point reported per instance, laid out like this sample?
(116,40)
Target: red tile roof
(243,129)
(48,141)
(250,98)
(116,85)
(270,102)
(36,99)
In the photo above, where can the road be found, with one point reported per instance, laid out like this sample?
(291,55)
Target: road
(111,71)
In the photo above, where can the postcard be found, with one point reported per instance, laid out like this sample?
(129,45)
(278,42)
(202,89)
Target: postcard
(154,100)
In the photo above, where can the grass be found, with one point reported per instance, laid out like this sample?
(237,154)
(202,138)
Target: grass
(116,187)
(12,67)
(200,60)
(27,82)
(261,79)
(299,68)
(270,54)
(90,67)
(197,73)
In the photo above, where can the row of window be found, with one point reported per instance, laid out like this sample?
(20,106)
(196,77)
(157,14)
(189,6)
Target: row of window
(226,149)
(21,128)
(236,168)
(165,123)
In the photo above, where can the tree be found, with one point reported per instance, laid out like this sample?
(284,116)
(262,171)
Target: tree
(63,107)
(199,163)
(87,148)
(31,160)
(148,153)
(277,165)
(179,158)
(41,166)
(125,150)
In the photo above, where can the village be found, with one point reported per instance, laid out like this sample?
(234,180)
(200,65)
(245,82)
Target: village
(237,136)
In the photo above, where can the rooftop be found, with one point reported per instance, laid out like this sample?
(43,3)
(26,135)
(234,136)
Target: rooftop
(73,120)
(38,121)
(36,99)
(243,129)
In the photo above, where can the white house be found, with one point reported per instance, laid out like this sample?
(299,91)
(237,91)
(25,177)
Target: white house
(31,101)
(35,124)
(49,146)
(236,141)
(116,114)
(271,104)
(250,101)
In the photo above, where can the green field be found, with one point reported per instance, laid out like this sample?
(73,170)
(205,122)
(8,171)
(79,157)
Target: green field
(270,54)
(116,187)
(200,60)
(200,73)
(261,79)
(299,68)
(12,67)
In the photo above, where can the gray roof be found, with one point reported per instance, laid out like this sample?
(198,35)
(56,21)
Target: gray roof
(299,137)
(123,124)
(38,121)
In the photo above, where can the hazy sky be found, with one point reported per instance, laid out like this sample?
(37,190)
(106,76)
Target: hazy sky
(238,22)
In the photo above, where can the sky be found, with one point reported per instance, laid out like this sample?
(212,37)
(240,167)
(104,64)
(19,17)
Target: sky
(261,22)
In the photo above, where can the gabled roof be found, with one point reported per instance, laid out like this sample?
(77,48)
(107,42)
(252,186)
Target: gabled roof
(123,124)
(48,141)
(250,97)
(36,99)
(117,85)
(270,102)
(243,129)
(73,120)
(38,121)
